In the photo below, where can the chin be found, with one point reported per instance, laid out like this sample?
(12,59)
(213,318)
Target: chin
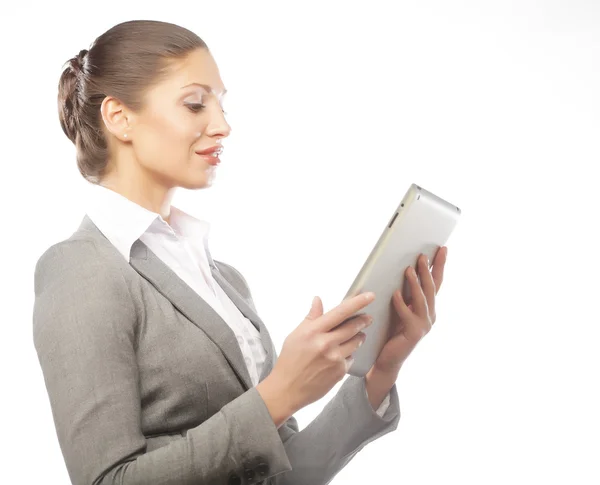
(196,184)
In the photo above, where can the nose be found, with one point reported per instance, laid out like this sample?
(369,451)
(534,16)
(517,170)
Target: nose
(218,125)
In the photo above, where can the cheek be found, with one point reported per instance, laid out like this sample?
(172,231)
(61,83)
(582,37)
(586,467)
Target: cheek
(166,140)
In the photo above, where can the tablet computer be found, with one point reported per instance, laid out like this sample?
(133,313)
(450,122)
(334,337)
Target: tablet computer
(422,223)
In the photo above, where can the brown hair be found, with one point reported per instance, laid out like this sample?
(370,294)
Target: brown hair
(123,62)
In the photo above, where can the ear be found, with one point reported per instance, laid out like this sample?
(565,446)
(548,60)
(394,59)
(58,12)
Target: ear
(117,118)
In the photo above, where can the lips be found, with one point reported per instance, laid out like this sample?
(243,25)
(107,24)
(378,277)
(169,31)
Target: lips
(211,154)
(210,150)
(211,159)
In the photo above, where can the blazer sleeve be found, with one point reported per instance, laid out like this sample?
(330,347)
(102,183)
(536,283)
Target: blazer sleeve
(344,427)
(327,444)
(84,332)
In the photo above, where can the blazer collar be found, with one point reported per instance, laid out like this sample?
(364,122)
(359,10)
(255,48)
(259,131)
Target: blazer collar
(123,221)
(195,308)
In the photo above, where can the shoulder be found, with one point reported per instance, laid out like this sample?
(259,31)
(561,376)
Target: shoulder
(75,266)
(62,259)
(79,292)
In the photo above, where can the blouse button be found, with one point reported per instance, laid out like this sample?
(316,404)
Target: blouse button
(240,340)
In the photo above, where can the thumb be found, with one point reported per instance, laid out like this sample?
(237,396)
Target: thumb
(316,309)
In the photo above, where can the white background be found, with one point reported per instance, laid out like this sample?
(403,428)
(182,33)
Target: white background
(336,108)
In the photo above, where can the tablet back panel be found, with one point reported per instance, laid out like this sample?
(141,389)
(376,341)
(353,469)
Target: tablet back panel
(422,223)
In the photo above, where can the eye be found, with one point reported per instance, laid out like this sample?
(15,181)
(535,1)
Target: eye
(195,107)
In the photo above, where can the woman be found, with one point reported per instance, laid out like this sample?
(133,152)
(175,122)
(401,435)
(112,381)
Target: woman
(157,366)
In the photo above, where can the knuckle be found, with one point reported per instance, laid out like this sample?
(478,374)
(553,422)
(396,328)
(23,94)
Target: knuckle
(321,344)
(310,331)
(336,357)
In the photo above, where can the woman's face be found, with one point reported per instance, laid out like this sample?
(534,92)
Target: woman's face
(179,118)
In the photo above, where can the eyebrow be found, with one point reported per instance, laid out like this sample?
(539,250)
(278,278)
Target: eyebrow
(205,86)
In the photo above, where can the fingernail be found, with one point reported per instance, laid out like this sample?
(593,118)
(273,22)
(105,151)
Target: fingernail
(369,295)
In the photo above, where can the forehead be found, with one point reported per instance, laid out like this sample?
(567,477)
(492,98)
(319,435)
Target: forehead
(197,71)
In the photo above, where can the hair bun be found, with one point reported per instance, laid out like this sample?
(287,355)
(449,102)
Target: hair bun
(70,94)
(78,61)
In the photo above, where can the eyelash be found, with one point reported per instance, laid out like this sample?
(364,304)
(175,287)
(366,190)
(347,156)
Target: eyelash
(197,107)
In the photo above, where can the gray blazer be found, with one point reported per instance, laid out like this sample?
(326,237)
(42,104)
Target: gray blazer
(148,386)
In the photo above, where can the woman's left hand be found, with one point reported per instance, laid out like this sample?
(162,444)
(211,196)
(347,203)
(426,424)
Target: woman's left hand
(412,319)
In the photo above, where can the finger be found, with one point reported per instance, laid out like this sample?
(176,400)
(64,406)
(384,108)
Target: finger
(349,362)
(316,309)
(349,328)
(438,267)
(418,302)
(349,346)
(402,307)
(427,283)
(343,311)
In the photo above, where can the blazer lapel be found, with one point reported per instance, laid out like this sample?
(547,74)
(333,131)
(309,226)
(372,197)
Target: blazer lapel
(188,302)
(196,309)
(251,315)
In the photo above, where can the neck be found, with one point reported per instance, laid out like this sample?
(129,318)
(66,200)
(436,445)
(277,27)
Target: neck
(151,196)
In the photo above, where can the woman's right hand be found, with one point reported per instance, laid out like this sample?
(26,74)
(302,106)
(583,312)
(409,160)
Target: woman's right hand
(314,357)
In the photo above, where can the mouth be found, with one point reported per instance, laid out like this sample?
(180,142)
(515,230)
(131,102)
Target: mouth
(211,155)
(211,159)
